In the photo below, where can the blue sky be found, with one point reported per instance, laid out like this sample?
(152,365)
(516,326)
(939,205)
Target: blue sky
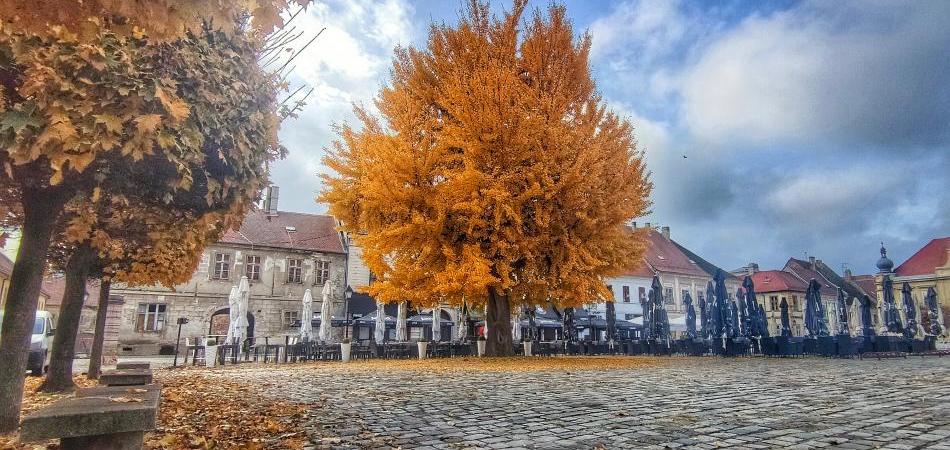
(818,128)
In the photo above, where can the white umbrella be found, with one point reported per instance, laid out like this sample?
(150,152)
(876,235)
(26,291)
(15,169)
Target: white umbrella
(233,313)
(244,294)
(306,316)
(326,316)
(401,335)
(515,329)
(436,325)
(379,334)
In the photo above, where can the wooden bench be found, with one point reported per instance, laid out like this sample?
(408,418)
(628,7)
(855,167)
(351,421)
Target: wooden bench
(125,377)
(103,417)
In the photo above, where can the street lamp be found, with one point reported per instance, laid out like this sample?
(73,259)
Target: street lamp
(181,321)
(347,294)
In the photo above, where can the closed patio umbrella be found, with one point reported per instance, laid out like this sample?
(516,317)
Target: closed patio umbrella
(402,334)
(233,312)
(745,324)
(326,314)
(568,325)
(531,312)
(892,320)
(462,334)
(306,317)
(379,328)
(660,321)
(611,317)
(842,304)
(931,301)
(515,328)
(721,311)
(703,318)
(436,324)
(786,323)
(690,316)
(867,324)
(910,312)
(813,322)
(646,307)
(757,315)
(244,296)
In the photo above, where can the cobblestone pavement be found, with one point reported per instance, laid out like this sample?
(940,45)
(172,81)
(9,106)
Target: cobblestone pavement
(682,403)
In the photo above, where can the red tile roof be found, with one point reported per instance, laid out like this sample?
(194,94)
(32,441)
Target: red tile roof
(866,284)
(804,272)
(662,255)
(311,232)
(777,281)
(926,260)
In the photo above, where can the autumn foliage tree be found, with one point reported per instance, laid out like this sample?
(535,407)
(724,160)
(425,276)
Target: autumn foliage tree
(180,127)
(495,173)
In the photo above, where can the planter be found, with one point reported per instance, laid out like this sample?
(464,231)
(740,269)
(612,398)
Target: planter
(211,355)
(345,351)
(481,348)
(527,348)
(423,346)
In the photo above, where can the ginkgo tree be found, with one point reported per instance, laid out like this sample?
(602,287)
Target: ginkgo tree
(494,173)
(188,125)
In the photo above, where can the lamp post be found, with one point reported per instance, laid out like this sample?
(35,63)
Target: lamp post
(347,294)
(181,321)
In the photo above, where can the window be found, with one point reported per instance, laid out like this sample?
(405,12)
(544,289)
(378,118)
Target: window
(626,294)
(629,316)
(322,273)
(642,294)
(773,302)
(794,302)
(668,296)
(294,270)
(150,317)
(290,317)
(252,267)
(699,297)
(683,295)
(222,266)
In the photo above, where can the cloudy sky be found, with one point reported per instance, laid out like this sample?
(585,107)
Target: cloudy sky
(818,128)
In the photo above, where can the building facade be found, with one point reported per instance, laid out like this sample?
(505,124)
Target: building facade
(928,268)
(772,287)
(281,253)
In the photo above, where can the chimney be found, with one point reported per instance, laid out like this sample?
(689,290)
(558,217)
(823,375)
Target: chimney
(666,232)
(270,203)
(811,260)
(752,268)
(648,225)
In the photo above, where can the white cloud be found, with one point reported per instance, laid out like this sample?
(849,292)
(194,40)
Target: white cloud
(810,74)
(347,64)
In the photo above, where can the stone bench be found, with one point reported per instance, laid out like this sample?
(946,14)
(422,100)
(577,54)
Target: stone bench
(132,365)
(103,417)
(125,377)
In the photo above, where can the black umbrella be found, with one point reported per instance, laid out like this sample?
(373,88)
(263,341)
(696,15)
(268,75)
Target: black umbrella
(569,328)
(931,301)
(763,322)
(531,312)
(843,329)
(660,321)
(812,311)
(892,320)
(786,325)
(733,318)
(690,316)
(611,322)
(721,312)
(756,316)
(910,312)
(745,315)
(867,325)
(703,317)
(646,306)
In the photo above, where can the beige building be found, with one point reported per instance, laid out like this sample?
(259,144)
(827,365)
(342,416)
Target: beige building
(6,268)
(772,287)
(928,268)
(282,253)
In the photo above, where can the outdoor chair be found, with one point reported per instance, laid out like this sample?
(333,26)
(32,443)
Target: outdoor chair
(194,347)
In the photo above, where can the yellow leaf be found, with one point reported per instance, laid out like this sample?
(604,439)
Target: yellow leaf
(112,122)
(148,123)
(176,108)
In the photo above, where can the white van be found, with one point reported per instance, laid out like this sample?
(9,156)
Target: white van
(40,342)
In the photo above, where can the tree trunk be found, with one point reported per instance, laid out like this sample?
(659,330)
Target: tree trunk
(39,217)
(95,356)
(60,376)
(498,321)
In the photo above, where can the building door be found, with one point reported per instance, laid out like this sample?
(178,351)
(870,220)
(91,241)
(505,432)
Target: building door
(221,319)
